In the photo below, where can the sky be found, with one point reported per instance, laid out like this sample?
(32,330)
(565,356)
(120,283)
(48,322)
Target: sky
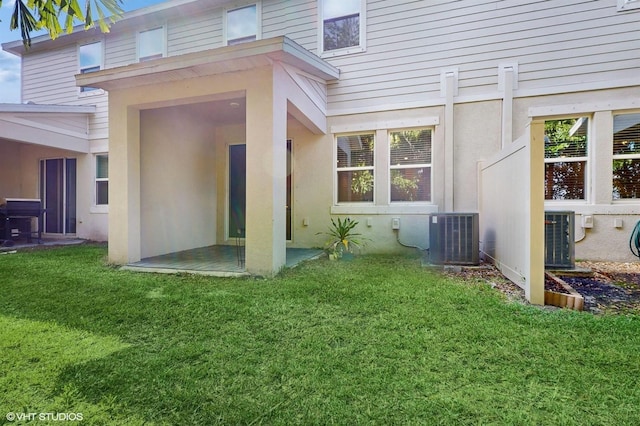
(10,64)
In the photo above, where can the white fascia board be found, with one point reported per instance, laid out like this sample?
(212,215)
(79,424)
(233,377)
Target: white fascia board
(210,62)
(56,109)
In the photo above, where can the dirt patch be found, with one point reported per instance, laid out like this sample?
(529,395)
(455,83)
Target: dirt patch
(607,287)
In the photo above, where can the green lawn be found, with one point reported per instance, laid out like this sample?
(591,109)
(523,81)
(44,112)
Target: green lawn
(378,340)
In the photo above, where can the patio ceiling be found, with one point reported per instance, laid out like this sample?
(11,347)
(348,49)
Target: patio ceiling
(54,126)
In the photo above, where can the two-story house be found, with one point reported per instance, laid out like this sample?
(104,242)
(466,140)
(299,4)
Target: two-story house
(193,123)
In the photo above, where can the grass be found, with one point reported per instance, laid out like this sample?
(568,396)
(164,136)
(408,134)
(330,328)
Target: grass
(378,340)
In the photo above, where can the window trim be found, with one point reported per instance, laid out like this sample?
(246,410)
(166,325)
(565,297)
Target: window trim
(585,158)
(237,6)
(90,91)
(96,179)
(621,157)
(362,45)
(410,166)
(163,29)
(336,169)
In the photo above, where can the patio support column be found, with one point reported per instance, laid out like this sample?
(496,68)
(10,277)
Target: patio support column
(534,289)
(266,133)
(124,181)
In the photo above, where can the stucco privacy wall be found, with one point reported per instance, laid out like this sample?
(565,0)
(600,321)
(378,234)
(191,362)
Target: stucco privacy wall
(512,207)
(177,181)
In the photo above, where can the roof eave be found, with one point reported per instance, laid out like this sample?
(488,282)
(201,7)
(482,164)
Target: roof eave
(210,62)
(53,109)
(132,19)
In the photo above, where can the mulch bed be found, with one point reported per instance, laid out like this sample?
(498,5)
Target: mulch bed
(609,287)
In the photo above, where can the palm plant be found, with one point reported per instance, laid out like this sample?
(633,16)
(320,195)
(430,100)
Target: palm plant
(342,237)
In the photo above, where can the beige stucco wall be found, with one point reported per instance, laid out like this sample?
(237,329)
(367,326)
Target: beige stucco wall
(178,181)
(10,170)
(477,135)
(314,186)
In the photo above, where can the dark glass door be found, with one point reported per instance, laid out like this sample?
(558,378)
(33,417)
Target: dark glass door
(238,190)
(58,194)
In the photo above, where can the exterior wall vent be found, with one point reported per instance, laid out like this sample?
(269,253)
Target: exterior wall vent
(453,239)
(559,243)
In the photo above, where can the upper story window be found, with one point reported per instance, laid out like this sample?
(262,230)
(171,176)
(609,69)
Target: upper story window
(628,5)
(90,60)
(241,24)
(626,156)
(151,44)
(343,26)
(410,165)
(355,167)
(565,158)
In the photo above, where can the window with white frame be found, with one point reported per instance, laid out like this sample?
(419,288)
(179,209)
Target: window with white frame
(355,167)
(90,60)
(626,156)
(410,165)
(628,5)
(102,179)
(342,26)
(151,44)
(241,24)
(566,155)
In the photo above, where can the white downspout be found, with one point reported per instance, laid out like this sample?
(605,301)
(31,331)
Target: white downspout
(507,81)
(450,89)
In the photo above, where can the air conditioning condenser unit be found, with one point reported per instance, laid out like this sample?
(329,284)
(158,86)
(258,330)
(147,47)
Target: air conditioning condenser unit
(453,239)
(559,242)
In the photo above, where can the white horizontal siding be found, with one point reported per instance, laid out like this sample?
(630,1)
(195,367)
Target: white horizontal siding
(409,44)
(195,33)
(120,49)
(297,20)
(48,77)
(99,122)
(553,42)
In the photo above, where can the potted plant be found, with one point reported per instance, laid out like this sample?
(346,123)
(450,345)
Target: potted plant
(342,238)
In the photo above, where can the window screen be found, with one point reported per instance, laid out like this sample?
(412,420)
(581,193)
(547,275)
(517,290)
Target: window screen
(355,168)
(565,151)
(410,165)
(626,156)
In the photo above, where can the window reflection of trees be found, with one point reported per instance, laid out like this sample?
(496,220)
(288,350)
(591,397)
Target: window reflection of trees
(410,159)
(565,148)
(626,160)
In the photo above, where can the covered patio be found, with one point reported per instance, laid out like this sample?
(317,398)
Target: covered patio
(177,184)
